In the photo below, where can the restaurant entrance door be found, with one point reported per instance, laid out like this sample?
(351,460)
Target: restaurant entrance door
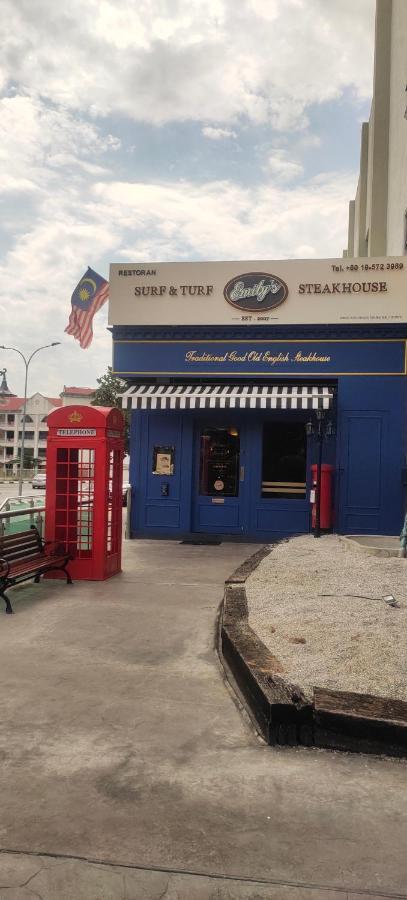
(220,450)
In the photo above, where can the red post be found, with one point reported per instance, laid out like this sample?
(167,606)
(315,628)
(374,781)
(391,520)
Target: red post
(325,522)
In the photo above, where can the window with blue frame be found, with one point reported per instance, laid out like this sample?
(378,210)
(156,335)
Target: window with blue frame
(284,463)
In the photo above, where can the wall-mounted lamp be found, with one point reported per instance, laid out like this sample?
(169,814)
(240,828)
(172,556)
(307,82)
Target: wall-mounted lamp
(320,426)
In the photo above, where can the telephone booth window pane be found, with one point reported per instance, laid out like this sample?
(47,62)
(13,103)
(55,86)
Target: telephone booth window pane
(86,470)
(74,499)
(219,462)
(284,468)
(114,502)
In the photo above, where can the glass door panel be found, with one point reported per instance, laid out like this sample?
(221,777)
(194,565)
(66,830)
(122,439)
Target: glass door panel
(219,479)
(219,462)
(74,501)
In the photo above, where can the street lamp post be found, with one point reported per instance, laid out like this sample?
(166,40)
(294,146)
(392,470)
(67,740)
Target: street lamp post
(26,364)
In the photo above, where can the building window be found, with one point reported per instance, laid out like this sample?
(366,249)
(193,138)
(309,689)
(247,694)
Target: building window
(43,435)
(284,468)
(29,435)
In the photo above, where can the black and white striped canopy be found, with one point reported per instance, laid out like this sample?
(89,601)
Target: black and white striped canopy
(227,396)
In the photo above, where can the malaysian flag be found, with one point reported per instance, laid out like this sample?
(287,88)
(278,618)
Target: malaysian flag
(89,295)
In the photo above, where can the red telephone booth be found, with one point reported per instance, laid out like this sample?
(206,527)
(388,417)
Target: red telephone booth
(83,503)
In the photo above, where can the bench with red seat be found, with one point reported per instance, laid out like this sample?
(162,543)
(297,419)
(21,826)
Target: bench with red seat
(24,556)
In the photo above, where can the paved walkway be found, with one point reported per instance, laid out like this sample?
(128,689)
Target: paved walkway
(374,544)
(127,770)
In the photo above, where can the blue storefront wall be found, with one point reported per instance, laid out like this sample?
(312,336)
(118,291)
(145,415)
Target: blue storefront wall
(368,451)
(371,452)
(183,511)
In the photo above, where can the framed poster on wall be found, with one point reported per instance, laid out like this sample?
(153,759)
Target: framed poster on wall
(163,460)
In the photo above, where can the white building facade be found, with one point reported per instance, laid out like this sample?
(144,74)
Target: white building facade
(79,396)
(36,427)
(378,214)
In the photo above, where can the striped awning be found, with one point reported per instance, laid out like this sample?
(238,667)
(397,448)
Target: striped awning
(227,396)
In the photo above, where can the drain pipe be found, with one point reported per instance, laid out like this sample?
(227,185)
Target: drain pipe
(403,540)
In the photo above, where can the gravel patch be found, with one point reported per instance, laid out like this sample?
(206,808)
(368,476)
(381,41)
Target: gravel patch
(339,642)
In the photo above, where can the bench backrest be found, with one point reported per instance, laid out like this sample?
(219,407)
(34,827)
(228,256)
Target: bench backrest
(24,545)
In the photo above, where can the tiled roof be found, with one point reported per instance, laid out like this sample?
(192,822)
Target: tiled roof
(15,403)
(79,391)
(11,404)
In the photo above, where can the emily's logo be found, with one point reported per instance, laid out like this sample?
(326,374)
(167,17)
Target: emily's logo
(255,291)
(75,416)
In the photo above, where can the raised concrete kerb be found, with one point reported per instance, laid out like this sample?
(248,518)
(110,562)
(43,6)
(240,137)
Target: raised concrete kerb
(281,711)
(335,719)
(373,544)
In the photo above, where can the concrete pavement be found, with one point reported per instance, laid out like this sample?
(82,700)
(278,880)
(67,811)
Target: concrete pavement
(52,878)
(128,770)
(8,489)
(374,544)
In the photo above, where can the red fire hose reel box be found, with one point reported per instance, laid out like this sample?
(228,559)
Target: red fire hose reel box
(326,516)
(83,502)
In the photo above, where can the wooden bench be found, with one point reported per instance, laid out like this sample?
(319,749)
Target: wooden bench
(25,555)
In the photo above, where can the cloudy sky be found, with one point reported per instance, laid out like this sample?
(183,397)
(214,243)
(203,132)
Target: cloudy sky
(147,130)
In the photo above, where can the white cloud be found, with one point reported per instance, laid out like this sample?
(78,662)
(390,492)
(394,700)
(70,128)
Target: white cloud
(43,140)
(210,60)
(222,220)
(218,134)
(283,169)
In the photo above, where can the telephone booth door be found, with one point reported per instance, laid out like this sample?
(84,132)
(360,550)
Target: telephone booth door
(75,504)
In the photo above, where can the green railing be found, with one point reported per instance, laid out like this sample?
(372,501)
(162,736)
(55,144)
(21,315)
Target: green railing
(13,520)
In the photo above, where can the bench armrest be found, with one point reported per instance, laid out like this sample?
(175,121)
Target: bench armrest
(4,567)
